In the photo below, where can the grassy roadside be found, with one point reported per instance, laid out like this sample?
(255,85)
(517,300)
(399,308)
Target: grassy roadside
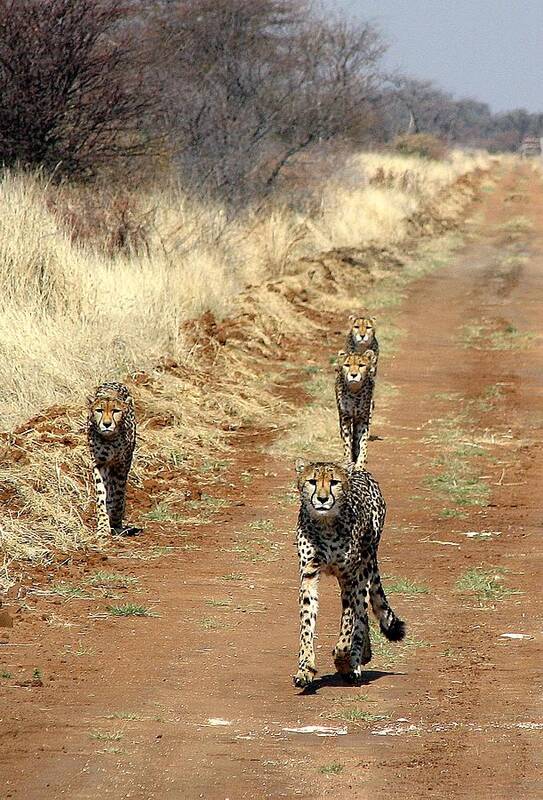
(189,409)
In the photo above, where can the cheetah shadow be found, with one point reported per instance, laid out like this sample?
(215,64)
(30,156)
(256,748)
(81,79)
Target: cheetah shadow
(128,530)
(337,680)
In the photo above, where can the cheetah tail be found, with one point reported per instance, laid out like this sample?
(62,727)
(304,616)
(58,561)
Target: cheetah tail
(391,626)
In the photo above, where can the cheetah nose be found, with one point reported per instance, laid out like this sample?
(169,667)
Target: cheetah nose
(106,424)
(322,499)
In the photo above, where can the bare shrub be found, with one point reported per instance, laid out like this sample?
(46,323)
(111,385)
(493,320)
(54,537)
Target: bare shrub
(250,84)
(72,87)
(111,221)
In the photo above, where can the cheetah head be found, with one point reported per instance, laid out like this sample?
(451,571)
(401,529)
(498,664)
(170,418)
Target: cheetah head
(356,367)
(362,330)
(107,414)
(322,486)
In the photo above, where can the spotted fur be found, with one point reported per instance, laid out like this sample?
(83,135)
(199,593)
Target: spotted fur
(362,336)
(355,383)
(111,431)
(342,513)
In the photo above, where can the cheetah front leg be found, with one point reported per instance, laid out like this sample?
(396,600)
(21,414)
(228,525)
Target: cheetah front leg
(346,431)
(102,517)
(353,648)
(309,600)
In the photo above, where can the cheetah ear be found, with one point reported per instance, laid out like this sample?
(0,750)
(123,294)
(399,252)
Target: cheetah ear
(341,354)
(373,321)
(352,317)
(90,400)
(299,466)
(370,355)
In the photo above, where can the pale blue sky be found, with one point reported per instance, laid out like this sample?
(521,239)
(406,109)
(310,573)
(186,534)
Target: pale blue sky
(491,50)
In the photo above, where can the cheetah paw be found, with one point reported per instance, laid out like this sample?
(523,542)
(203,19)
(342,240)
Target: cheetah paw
(342,663)
(304,677)
(354,676)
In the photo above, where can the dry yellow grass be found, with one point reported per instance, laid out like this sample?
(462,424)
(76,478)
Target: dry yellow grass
(71,316)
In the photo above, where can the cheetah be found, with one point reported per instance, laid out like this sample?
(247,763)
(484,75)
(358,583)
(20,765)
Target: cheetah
(355,383)
(362,337)
(342,513)
(111,432)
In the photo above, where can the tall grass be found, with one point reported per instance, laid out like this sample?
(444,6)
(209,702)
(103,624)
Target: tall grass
(70,315)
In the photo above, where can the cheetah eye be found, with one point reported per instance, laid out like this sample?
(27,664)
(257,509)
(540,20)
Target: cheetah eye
(335,483)
(117,411)
(312,481)
(99,410)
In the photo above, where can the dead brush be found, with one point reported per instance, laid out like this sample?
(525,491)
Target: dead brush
(112,223)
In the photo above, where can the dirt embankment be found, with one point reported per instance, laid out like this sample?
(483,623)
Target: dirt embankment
(196,699)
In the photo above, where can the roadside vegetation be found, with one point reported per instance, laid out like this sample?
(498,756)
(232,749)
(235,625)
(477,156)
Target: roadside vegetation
(136,246)
(72,316)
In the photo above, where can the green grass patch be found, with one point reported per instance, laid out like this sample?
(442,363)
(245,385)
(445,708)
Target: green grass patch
(516,225)
(358,716)
(389,653)
(514,260)
(111,580)
(480,335)
(452,513)
(404,586)
(232,576)
(130,715)
(462,489)
(486,584)
(261,525)
(129,610)
(210,503)
(177,458)
(211,624)
(334,768)
(69,592)
(458,479)
(163,513)
(510,338)
(292,497)
(216,465)
(218,603)
(447,396)
(106,736)
(5,674)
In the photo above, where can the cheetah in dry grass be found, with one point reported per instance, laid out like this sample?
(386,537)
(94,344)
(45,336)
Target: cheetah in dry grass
(342,513)
(111,432)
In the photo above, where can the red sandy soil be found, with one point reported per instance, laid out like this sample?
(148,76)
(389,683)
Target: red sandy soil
(124,707)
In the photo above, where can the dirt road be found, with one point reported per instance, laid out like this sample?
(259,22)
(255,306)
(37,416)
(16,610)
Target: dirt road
(198,701)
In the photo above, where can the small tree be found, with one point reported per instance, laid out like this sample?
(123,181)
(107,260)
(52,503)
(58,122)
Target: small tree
(249,84)
(72,97)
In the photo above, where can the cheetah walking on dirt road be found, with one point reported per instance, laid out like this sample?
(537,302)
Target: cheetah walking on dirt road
(361,336)
(355,384)
(342,513)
